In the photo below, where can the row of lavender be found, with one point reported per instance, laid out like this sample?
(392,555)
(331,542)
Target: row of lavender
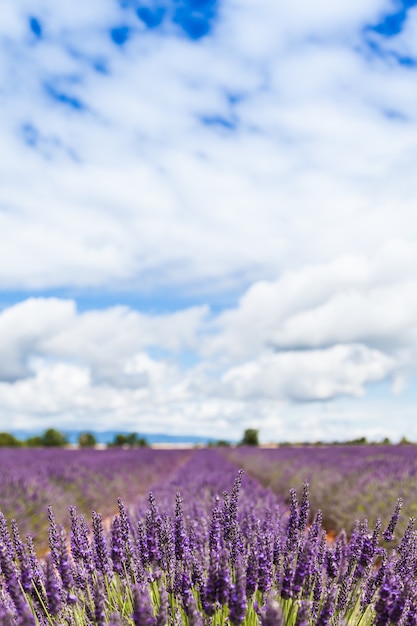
(212,556)
(346,482)
(89,479)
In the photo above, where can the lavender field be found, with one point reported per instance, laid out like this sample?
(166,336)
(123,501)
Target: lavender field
(210,544)
(346,482)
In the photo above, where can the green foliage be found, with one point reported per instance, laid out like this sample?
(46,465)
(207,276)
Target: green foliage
(87,440)
(250,437)
(131,440)
(9,441)
(53,438)
(34,442)
(405,442)
(359,441)
(221,443)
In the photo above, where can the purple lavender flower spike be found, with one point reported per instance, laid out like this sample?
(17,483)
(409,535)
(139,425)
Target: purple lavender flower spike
(194,616)
(99,601)
(388,533)
(383,604)
(181,540)
(53,591)
(5,535)
(304,568)
(117,546)
(24,561)
(12,585)
(233,506)
(327,610)
(251,573)
(54,542)
(126,534)
(317,594)
(101,556)
(80,545)
(64,564)
(265,556)
(292,529)
(215,528)
(152,524)
(304,509)
(37,574)
(142,609)
(223,577)
(142,544)
(237,595)
(210,591)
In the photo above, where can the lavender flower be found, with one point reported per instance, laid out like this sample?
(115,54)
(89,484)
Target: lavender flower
(265,556)
(231,518)
(327,610)
(64,565)
(12,585)
(117,546)
(181,540)
(80,546)
(252,573)
(237,595)
(53,590)
(101,556)
(142,609)
(388,533)
(5,536)
(24,561)
(304,509)
(99,601)
(293,521)
(54,539)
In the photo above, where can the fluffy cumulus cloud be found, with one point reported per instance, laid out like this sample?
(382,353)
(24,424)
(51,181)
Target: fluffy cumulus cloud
(319,334)
(256,160)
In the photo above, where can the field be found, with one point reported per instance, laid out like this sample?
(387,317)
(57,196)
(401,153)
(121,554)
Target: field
(303,536)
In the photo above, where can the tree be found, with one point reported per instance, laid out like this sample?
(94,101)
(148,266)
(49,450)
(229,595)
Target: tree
(53,438)
(250,437)
(119,440)
(87,440)
(404,441)
(9,441)
(34,442)
(132,440)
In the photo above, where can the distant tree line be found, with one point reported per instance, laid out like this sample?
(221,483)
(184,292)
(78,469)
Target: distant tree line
(53,438)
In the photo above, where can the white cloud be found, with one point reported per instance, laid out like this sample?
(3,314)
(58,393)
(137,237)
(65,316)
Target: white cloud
(298,192)
(162,198)
(309,375)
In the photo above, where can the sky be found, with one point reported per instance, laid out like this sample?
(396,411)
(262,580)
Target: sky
(208,217)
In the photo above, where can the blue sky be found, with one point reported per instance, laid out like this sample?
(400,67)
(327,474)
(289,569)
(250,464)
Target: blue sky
(208,217)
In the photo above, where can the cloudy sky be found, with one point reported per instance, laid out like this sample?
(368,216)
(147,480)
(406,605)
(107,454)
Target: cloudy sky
(208,217)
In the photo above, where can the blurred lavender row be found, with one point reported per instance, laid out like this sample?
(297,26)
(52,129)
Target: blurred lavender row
(210,546)
(346,482)
(31,479)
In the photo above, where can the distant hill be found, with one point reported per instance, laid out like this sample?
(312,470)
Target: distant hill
(107,436)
